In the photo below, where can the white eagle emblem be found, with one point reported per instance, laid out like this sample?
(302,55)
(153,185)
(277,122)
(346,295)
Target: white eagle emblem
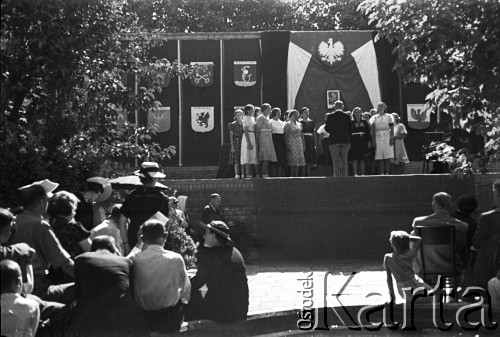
(331,52)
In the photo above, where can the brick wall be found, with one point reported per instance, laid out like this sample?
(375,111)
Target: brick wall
(312,218)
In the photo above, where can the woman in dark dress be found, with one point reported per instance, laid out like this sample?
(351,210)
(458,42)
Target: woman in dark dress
(73,236)
(104,303)
(309,132)
(235,135)
(277,129)
(360,139)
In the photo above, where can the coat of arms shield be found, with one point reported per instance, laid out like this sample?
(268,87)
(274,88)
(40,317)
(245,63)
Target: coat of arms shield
(202,74)
(245,73)
(159,118)
(418,116)
(202,118)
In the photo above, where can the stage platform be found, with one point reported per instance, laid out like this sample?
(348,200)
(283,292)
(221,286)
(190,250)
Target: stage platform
(302,219)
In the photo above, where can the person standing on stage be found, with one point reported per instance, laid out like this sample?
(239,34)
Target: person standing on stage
(338,125)
(294,143)
(309,133)
(264,138)
(382,125)
(236,135)
(248,143)
(360,141)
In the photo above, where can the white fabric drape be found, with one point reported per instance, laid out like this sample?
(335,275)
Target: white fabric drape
(298,60)
(366,60)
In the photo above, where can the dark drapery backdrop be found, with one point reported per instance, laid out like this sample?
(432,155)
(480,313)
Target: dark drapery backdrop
(169,97)
(411,94)
(201,148)
(239,50)
(274,60)
(271,54)
(388,79)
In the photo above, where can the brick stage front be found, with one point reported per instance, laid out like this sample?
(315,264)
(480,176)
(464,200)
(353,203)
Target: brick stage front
(329,218)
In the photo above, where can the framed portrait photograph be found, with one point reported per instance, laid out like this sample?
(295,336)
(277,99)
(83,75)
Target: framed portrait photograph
(331,97)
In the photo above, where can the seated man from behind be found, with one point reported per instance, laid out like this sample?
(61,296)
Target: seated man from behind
(221,270)
(34,230)
(441,204)
(20,316)
(160,281)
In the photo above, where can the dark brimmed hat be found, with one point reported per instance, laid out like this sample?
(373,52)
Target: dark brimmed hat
(150,168)
(219,228)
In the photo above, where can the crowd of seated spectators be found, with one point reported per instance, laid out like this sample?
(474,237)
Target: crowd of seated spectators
(58,275)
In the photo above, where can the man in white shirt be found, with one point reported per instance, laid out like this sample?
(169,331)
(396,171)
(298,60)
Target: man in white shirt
(20,316)
(160,282)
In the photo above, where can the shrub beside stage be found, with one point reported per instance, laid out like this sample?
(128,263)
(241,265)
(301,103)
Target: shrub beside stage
(329,218)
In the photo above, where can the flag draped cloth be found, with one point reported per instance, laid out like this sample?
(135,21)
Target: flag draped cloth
(333,60)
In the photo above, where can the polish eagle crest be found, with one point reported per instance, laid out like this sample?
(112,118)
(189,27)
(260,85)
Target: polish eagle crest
(331,52)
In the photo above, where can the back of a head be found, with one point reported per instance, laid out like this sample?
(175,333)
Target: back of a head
(338,105)
(146,179)
(10,273)
(248,109)
(116,213)
(265,107)
(62,204)
(104,242)
(152,230)
(443,200)
(214,196)
(467,203)
(6,218)
(33,195)
(400,240)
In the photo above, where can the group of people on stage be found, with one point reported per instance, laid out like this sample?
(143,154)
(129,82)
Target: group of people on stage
(277,144)
(262,138)
(476,247)
(118,276)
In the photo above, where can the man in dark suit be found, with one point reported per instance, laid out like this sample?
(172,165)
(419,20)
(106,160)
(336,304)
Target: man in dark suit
(437,255)
(239,232)
(212,211)
(338,125)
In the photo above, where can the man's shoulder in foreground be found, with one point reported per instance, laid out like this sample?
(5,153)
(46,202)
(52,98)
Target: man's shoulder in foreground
(439,219)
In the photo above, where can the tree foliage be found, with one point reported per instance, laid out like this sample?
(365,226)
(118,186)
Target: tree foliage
(453,47)
(62,65)
(248,15)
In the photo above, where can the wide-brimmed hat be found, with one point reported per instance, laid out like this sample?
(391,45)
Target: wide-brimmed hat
(220,228)
(46,184)
(106,187)
(150,168)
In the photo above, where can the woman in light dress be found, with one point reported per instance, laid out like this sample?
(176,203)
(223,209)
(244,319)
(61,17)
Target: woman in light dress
(294,143)
(263,135)
(248,145)
(382,126)
(400,157)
